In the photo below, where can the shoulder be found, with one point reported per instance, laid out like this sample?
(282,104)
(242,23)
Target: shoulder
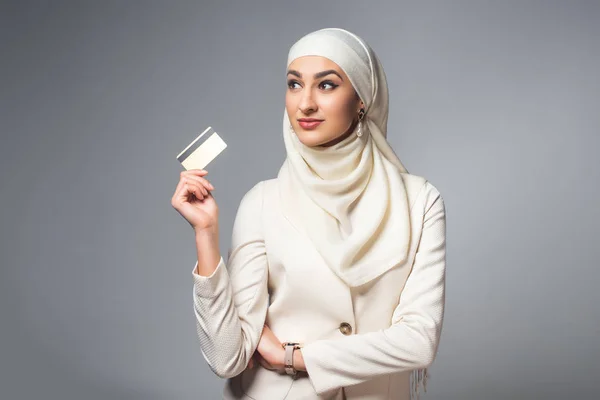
(421,192)
(256,194)
(267,188)
(253,197)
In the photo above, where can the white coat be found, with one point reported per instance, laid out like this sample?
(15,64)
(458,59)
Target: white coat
(359,343)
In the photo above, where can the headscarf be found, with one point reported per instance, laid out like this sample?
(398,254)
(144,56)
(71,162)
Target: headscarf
(349,198)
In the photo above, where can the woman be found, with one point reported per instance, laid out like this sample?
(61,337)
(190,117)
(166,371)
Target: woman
(337,266)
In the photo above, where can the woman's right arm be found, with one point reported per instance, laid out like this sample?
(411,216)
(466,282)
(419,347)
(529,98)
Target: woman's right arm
(208,253)
(231,299)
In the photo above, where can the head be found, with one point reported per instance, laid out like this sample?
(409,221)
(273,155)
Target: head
(334,77)
(319,90)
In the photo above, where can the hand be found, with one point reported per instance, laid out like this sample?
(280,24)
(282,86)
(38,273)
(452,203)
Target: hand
(193,200)
(270,353)
(258,359)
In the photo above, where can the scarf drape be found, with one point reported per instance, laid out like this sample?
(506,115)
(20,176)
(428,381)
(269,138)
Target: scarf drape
(349,198)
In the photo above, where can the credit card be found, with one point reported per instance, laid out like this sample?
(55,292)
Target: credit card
(204,149)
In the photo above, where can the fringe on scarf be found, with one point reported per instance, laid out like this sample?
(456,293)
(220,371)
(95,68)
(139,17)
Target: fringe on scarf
(419,376)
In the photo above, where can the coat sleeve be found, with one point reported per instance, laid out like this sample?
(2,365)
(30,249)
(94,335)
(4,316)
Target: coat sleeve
(231,304)
(411,341)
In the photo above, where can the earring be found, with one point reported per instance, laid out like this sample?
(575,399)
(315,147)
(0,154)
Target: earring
(361,115)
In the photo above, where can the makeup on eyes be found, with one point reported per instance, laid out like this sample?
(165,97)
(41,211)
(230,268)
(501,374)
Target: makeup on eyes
(325,82)
(333,85)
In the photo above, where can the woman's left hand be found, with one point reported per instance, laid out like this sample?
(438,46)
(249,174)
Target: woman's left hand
(270,352)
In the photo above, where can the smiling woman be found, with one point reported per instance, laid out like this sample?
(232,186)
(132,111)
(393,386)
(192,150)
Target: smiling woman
(321,101)
(334,287)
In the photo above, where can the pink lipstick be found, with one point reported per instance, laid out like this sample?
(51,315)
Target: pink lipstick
(309,123)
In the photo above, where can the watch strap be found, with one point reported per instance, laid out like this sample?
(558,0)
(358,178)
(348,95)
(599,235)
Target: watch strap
(289,357)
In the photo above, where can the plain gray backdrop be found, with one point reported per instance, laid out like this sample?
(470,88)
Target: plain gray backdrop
(496,103)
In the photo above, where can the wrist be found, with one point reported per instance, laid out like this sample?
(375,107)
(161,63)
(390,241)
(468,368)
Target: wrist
(208,253)
(207,232)
(299,360)
(207,238)
(279,358)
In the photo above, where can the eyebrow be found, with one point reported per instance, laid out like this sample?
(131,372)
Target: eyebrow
(318,74)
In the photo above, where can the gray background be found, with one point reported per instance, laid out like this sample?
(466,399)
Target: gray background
(496,103)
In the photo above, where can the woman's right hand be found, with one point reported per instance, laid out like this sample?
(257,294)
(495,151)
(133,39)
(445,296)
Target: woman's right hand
(193,200)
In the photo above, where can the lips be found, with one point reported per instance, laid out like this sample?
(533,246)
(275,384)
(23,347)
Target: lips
(309,123)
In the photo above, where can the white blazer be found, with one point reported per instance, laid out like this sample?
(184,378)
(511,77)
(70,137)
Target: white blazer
(359,343)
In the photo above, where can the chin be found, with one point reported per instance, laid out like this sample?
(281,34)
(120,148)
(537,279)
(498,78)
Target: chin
(312,138)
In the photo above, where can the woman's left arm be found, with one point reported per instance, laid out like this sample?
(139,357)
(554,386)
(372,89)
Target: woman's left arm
(411,341)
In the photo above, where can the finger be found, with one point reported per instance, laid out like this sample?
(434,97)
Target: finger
(202,181)
(200,192)
(191,172)
(262,363)
(178,187)
(197,172)
(184,189)
(191,188)
(194,180)
(265,364)
(180,194)
(197,178)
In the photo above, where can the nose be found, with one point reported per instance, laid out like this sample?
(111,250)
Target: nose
(307,102)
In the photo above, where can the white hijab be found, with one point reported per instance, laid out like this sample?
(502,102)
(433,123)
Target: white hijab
(349,198)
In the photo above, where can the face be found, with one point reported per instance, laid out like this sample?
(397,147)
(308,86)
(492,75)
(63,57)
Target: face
(320,100)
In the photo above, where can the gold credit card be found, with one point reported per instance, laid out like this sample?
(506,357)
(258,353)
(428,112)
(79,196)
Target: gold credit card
(204,149)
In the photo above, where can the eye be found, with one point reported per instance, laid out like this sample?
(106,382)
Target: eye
(291,83)
(328,83)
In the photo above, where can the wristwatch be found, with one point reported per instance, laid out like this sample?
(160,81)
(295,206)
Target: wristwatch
(289,357)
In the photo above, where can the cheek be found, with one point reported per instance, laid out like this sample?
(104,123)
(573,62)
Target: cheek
(292,104)
(288,101)
(339,109)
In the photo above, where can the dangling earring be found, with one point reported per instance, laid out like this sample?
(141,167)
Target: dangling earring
(361,115)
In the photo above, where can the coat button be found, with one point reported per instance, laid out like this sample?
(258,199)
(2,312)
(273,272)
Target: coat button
(346,328)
